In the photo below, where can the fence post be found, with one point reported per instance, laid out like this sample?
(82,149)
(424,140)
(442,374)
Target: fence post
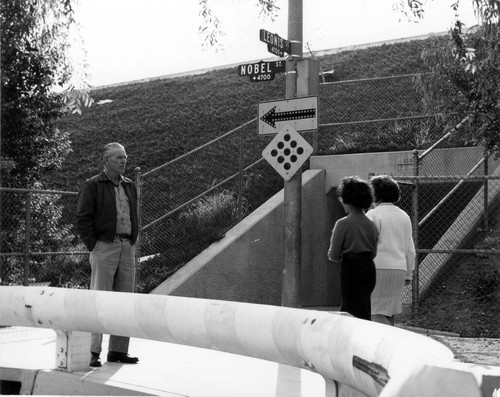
(485,190)
(138,187)
(27,232)
(240,177)
(2,267)
(416,279)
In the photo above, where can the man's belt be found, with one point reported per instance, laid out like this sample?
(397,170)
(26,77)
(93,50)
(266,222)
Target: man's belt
(123,236)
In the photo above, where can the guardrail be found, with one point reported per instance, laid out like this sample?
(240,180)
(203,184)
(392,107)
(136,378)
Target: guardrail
(369,357)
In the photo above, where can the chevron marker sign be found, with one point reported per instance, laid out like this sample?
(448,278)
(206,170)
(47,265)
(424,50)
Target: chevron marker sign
(287,152)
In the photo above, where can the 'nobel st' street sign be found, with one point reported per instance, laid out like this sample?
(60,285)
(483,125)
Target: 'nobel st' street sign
(261,71)
(300,113)
(275,44)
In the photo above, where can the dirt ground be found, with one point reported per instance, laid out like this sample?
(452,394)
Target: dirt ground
(467,300)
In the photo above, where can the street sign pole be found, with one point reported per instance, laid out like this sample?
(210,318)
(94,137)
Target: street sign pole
(290,293)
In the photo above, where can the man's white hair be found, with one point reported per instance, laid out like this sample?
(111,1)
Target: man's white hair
(106,149)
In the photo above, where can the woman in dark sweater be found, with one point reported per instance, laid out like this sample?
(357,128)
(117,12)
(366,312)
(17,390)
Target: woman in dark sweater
(354,245)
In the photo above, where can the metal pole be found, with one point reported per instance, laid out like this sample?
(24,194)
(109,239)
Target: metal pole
(2,267)
(485,191)
(337,347)
(138,187)
(290,293)
(415,281)
(27,232)
(240,178)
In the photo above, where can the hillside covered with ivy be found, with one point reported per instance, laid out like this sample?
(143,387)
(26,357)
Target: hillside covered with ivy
(162,119)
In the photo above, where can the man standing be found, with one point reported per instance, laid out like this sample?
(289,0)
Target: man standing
(107,222)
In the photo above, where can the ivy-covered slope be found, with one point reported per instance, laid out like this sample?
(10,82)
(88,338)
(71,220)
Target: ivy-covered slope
(160,120)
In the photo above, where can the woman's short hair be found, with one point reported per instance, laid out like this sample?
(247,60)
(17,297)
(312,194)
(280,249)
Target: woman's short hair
(355,191)
(385,189)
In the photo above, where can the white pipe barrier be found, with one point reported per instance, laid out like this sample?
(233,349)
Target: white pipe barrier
(361,354)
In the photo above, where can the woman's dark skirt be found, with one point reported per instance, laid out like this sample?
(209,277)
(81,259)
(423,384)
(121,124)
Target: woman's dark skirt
(357,281)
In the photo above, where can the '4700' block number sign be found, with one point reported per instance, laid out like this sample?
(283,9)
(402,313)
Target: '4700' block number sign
(287,152)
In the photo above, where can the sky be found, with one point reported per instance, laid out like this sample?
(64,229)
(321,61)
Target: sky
(127,40)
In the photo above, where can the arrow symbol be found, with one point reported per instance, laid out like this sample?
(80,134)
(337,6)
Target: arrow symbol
(272,117)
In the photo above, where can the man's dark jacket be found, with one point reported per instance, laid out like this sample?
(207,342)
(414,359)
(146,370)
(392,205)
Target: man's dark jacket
(96,210)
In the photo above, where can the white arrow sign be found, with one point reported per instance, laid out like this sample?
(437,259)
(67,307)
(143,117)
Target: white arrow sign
(300,113)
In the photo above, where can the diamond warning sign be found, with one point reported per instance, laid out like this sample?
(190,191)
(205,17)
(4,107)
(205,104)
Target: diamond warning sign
(287,152)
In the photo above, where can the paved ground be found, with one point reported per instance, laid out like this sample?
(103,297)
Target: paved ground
(480,351)
(167,369)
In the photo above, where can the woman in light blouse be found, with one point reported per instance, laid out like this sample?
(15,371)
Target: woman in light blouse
(395,257)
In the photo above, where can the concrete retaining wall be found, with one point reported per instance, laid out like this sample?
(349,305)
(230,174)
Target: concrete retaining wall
(440,162)
(246,265)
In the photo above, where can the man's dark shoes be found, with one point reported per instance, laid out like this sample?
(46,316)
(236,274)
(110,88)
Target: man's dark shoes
(94,360)
(118,357)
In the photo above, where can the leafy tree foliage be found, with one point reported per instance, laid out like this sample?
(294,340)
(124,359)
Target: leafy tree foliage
(470,61)
(36,36)
(211,28)
(36,39)
(35,58)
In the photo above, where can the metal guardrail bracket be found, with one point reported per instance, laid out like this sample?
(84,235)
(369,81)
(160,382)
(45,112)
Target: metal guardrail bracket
(72,350)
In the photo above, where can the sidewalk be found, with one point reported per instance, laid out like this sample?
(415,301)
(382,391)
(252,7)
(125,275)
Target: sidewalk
(164,369)
(479,351)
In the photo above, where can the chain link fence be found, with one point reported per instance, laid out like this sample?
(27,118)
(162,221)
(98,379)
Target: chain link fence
(38,241)
(192,201)
(455,209)
(455,215)
(380,115)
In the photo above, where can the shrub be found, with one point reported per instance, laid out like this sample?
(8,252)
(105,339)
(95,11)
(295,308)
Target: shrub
(204,222)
